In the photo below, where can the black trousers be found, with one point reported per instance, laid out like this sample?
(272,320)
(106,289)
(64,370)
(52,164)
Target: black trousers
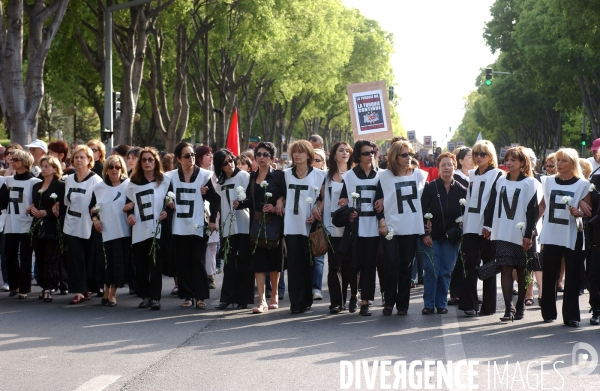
(381,264)
(367,263)
(78,256)
(238,279)
(299,272)
(477,249)
(190,255)
(62,272)
(399,255)
(458,276)
(148,272)
(593,277)
(19,275)
(47,255)
(340,275)
(552,259)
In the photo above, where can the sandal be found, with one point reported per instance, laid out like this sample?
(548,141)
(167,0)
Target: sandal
(187,303)
(273,306)
(528,302)
(262,308)
(22,296)
(47,297)
(200,304)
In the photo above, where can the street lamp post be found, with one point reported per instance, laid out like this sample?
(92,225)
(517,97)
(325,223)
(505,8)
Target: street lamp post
(108,84)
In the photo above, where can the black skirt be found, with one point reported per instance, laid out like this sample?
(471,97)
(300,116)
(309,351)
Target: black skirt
(264,260)
(511,254)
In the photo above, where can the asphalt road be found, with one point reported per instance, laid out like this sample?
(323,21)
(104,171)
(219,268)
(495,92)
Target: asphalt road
(57,346)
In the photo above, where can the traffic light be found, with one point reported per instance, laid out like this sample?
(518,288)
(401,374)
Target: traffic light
(116,104)
(583,137)
(434,144)
(391,93)
(488,76)
(105,135)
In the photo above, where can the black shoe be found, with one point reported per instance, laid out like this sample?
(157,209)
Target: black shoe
(335,310)
(520,312)
(560,289)
(509,315)
(572,323)
(222,306)
(353,305)
(548,320)
(364,310)
(155,304)
(471,313)
(64,292)
(296,310)
(13,294)
(595,320)
(281,296)
(104,301)
(486,313)
(242,307)
(427,311)
(145,303)
(387,311)
(100,293)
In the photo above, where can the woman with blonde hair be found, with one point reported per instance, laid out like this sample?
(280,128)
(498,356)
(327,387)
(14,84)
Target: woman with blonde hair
(511,224)
(99,151)
(46,243)
(550,164)
(566,198)
(15,195)
(8,153)
(475,248)
(78,223)
(112,256)
(320,163)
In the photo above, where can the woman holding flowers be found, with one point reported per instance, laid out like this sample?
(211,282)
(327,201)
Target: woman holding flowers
(360,184)
(303,184)
(562,204)
(340,274)
(238,279)
(442,200)
(78,223)
(265,199)
(401,187)
(146,204)
(475,248)
(46,243)
(109,198)
(510,220)
(16,196)
(190,236)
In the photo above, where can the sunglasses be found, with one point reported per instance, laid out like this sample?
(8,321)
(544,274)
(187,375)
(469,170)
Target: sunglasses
(480,154)
(406,154)
(8,153)
(318,160)
(367,153)
(189,155)
(94,150)
(111,167)
(16,159)
(263,154)
(227,162)
(147,160)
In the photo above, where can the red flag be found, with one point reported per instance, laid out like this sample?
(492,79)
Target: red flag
(233,138)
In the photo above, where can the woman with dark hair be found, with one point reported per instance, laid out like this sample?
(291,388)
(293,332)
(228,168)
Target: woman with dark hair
(45,195)
(476,249)
(510,222)
(360,183)
(121,150)
(109,220)
(145,206)
(266,257)
(243,163)
(238,279)
(78,223)
(340,274)
(132,157)
(18,221)
(188,239)
(60,150)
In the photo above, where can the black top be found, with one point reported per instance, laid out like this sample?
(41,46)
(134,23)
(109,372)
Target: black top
(98,166)
(57,187)
(276,186)
(531,214)
(450,204)
(360,174)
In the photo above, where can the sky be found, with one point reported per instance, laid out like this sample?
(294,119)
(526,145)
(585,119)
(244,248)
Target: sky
(439,50)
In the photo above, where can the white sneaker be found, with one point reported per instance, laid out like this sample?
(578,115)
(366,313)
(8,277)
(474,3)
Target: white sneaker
(317,295)
(5,287)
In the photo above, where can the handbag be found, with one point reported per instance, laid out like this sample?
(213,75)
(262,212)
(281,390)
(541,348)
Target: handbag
(264,234)
(454,234)
(488,270)
(318,242)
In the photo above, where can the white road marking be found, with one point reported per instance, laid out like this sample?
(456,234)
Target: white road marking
(453,345)
(98,383)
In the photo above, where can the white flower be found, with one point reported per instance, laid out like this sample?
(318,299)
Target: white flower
(315,189)
(566,200)
(171,195)
(309,200)
(592,188)
(53,196)
(520,225)
(241,196)
(428,216)
(97,209)
(240,189)
(462,201)
(390,234)
(459,219)
(354,195)
(268,195)
(196,226)
(264,184)
(40,191)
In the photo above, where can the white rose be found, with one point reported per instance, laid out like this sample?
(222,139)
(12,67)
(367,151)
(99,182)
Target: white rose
(459,219)
(462,201)
(240,189)
(309,200)
(592,188)
(53,196)
(97,209)
(354,195)
(566,200)
(428,216)
(315,188)
(241,196)
(40,191)
(269,195)
(171,195)
(264,184)
(390,234)
(520,225)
